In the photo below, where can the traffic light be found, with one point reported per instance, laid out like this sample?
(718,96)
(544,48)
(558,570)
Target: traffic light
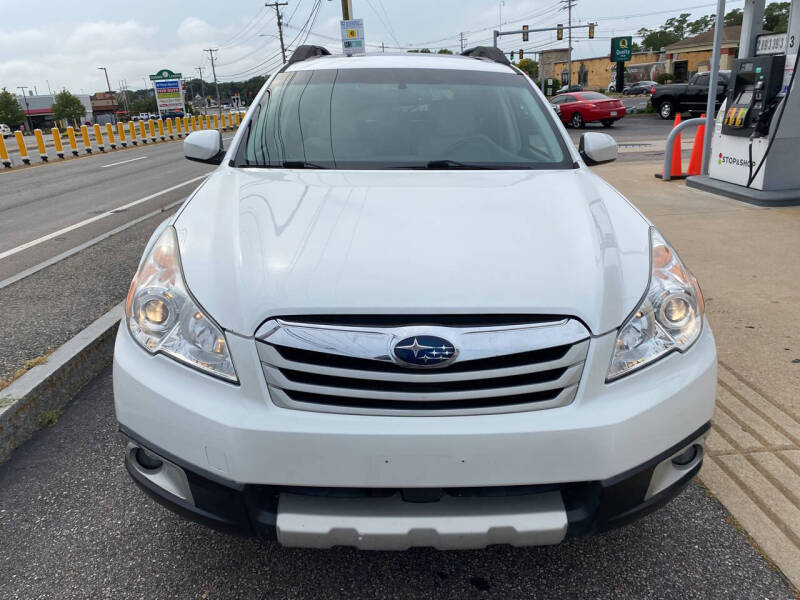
(524,33)
(591,31)
(511,55)
(560,32)
(520,54)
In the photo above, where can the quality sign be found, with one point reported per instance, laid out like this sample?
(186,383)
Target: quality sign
(621,48)
(169,91)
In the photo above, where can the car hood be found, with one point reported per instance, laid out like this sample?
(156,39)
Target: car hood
(258,243)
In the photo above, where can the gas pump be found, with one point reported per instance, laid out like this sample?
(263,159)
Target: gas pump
(756,133)
(753,95)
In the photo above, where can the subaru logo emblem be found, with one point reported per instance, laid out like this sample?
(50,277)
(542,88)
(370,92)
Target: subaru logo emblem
(424,351)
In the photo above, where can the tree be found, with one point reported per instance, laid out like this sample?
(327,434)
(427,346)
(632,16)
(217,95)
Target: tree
(423,51)
(10,111)
(144,105)
(445,51)
(67,106)
(776,17)
(530,67)
(734,17)
(655,40)
(701,25)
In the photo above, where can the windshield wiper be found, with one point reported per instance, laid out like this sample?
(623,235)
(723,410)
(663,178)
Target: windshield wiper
(452,164)
(300,164)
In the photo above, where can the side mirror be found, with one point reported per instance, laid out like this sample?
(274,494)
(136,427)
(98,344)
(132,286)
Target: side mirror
(596,148)
(204,146)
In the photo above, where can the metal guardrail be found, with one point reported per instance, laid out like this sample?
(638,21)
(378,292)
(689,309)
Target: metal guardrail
(671,140)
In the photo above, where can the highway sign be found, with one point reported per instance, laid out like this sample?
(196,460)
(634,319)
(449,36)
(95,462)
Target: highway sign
(621,48)
(353,37)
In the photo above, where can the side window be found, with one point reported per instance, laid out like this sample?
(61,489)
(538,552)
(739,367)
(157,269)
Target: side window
(557,100)
(701,79)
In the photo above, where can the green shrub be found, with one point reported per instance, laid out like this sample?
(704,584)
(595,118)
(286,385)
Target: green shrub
(665,78)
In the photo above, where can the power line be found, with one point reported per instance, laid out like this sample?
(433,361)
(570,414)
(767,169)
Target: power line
(277,7)
(248,27)
(213,70)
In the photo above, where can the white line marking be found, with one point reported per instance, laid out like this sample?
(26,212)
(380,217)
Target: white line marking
(50,236)
(88,244)
(122,162)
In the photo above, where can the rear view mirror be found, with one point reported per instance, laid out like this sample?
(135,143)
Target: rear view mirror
(204,146)
(596,148)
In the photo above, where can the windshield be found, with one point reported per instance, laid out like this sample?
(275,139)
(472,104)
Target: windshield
(594,96)
(402,118)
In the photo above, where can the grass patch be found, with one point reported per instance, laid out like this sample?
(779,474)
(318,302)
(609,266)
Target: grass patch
(27,366)
(50,418)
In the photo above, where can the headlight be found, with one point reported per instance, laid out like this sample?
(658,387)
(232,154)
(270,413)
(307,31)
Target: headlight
(669,318)
(163,317)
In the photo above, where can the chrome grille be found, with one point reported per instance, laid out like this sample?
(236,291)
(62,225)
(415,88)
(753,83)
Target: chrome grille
(350,369)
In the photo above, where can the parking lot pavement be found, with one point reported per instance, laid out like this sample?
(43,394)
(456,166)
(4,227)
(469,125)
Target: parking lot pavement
(73,525)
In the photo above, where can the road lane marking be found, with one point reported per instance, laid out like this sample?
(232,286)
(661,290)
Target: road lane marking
(87,244)
(122,162)
(80,224)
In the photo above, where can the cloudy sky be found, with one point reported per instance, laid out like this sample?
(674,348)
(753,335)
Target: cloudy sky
(61,44)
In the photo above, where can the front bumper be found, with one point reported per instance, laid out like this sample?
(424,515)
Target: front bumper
(396,519)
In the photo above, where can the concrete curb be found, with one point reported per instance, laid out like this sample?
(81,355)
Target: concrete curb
(50,386)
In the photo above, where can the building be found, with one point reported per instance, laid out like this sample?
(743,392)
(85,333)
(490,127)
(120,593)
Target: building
(598,72)
(104,107)
(688,56)
(549,58)
(39,109)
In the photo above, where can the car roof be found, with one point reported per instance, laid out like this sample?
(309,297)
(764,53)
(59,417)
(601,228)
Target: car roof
(401,61)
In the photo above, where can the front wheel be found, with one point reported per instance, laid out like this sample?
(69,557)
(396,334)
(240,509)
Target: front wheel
(666,110)
(577,121)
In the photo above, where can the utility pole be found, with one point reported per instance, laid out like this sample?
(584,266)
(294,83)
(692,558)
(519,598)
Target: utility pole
(108,83)
(27,108)
(214,72)
(461,40)
(202,88)
(347,10)
(277,7)
(569,4)
(383,47)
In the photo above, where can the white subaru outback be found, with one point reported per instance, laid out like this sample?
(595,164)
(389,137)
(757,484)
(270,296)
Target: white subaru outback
(403,312)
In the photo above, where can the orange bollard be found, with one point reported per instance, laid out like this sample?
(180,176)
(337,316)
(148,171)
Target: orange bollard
(121,133)
(4,154)
(216,121)
(110,136)
(696,160)
(40,144)
(160,123)
(142,132)
(152,126)
(57,142)
(23,149)
(170,130)
(186,125)
(178,128)
(98,138)
(73,144)
(675,171)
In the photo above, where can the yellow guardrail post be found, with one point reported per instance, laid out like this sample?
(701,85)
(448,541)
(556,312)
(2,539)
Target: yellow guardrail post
(208,121)
(110,136)
(73,144)
(121,133)
(170,129)
(57,142)
(178,129)
(98,138)
(194,123)
(132,131)
(152,127)
(143,132)
(4,154)
(23,150)
(161,129)
(37,133)
(216,122)
(87,145)
(185,121)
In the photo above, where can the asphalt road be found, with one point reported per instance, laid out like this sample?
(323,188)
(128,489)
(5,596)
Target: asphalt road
(73,525)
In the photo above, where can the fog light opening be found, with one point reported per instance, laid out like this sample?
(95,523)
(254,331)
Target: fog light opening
(688,456)
(147,460)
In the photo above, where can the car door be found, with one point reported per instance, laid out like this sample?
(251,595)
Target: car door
(697,92)
(569,105)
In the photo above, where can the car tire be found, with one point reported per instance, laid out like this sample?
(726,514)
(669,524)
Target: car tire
(666,110)
(608,123)
(577,120)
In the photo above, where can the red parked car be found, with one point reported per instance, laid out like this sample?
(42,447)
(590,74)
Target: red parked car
(579,108)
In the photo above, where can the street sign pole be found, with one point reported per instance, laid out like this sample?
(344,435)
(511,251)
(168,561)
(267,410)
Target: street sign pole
(620,84)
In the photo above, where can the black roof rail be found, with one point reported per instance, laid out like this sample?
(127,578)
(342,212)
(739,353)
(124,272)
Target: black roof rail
(307,51)
(490,52)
